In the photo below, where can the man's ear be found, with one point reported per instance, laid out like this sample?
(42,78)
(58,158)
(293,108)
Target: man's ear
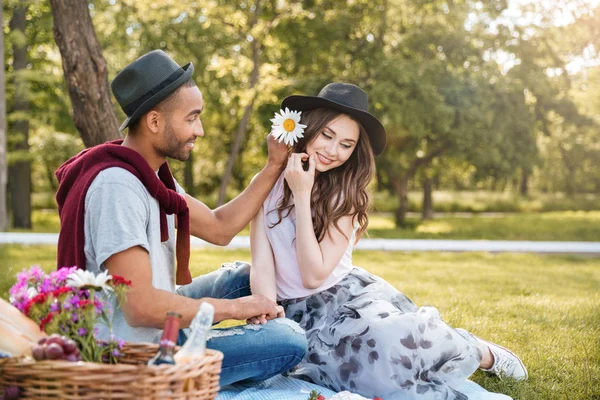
(152,121)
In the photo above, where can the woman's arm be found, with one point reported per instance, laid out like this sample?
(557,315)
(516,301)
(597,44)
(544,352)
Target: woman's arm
(316,259)
(262,273)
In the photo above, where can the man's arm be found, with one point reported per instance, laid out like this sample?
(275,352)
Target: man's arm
(219,226)
(147,306)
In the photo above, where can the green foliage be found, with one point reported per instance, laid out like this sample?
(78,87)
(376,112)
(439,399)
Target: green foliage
(468,98)
(542,307)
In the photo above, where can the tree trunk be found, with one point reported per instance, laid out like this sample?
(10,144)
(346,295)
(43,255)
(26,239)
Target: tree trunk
(85,72)
(524,186)
(379,178)
(3,162)
(401,189)
(427,211)
(188,176)
(240,134)
(401,184)
(19,173)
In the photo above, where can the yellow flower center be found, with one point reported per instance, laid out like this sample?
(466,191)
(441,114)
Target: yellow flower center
(289,125)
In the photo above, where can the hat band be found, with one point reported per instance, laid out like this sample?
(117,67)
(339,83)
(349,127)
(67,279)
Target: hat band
(131,107)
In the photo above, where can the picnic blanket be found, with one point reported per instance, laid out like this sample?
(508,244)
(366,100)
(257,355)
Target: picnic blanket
(284,388)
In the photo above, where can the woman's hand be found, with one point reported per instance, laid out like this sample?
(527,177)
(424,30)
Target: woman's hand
(300,181)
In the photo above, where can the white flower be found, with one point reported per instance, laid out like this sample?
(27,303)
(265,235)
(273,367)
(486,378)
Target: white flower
(287,127)
(81,278)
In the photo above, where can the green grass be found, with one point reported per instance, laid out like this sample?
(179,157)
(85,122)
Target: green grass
(487,201)
(545,308)
(561,226)
(553,226)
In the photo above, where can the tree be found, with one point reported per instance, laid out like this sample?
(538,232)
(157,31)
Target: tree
(3,160)
(86,72)
(19,172)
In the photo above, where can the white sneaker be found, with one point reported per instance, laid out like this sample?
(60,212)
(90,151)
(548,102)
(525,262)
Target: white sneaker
(506,363)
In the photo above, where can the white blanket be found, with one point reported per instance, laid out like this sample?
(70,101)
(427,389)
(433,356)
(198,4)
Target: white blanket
(283,388)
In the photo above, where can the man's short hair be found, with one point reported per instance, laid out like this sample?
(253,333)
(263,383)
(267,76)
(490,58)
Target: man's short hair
(166,106)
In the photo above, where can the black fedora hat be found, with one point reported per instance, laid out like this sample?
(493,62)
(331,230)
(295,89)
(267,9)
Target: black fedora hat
(146,82)
(348,98)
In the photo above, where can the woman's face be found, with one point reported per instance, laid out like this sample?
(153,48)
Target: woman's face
(334,144)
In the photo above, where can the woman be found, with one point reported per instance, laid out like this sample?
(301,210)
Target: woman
(364,335)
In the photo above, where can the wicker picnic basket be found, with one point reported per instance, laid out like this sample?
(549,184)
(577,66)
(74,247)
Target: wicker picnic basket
(130,379)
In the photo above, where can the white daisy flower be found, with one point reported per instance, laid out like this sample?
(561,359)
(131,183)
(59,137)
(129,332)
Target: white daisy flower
(82,279)
(287,127)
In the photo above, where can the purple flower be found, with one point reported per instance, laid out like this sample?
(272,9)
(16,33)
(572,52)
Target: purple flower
(20,286)
(74,317)
(36,274)
(99,306)
(60,276)
(47,286)
(116,353)
(120,343)
(82,331)
(54,307)
(72,302)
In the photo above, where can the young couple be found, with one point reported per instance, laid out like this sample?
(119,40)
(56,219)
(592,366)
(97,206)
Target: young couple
(307,209)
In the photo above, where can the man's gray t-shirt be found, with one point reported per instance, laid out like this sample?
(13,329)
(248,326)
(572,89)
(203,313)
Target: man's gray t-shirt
(120,214)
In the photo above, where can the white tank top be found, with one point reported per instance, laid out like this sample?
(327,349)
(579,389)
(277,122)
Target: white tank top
(282,239)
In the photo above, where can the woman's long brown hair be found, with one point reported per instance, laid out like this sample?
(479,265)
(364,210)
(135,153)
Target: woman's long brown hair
(338,192)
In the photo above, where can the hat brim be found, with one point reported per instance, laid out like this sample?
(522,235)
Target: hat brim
(372,125)
(146,106)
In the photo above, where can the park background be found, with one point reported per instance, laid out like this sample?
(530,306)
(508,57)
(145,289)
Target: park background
(492,109)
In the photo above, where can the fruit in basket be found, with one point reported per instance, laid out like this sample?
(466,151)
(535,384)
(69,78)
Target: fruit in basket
(56,347)
(54,351)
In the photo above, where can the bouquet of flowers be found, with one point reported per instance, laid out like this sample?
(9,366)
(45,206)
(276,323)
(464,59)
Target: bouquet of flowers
(66,305)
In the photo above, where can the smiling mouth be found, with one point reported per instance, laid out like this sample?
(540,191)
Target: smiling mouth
(323,159)
(190,144)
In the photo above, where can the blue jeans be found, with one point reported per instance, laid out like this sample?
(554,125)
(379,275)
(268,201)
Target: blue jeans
(251,352)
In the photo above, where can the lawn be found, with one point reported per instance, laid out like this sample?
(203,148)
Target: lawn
(545,308)
(561,226)
(552,226)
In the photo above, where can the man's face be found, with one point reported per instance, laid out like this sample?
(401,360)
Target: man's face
(182,124)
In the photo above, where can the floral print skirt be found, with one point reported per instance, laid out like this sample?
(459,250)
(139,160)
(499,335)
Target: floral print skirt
(366,337)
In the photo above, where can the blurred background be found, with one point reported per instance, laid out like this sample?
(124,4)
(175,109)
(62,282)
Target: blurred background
(490,106)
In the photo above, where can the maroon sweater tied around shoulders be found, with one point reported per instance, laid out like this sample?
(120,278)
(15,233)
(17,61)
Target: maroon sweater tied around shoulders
(77,174)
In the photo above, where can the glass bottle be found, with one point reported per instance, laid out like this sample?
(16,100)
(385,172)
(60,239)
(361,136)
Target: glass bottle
(195,345)
(168,340)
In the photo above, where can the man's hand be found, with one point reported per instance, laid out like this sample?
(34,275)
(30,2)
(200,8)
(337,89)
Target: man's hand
(256,305)
(262,319)
(278,152)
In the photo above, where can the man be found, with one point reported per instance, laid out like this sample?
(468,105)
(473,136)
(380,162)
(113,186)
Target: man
(117,203)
